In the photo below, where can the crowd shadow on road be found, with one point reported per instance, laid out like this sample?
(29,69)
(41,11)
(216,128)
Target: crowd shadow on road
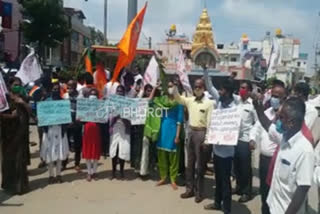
(5,197)
(238,208)
(70,175)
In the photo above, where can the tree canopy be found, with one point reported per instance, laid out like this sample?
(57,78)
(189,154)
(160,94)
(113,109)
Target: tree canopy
(48,25)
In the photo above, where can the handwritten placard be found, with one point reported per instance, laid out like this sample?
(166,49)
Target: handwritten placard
(224,127)
(92,110)
(133,109)
(54,112)
(138,111)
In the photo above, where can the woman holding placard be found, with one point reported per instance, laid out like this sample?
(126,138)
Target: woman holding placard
(120,140)
(91,143)
(55,146)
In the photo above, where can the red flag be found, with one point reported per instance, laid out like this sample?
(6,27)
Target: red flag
(128,43)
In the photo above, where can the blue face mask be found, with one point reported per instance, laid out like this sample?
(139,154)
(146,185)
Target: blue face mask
(279,127)
(275,103)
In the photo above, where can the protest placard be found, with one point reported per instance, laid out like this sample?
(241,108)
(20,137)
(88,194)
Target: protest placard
(89,110)
(133,109)
(54,112)
(224,127)
(3,100)
(137,113)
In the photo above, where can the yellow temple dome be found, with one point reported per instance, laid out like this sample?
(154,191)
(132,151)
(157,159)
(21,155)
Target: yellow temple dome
(203,37)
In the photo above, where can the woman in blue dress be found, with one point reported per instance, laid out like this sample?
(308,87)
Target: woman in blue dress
(168,141)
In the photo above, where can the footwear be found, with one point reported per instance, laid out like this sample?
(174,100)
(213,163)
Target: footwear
(89,178)
(198,199)
(212,206)
(236,191)
(78,169)
(95,177)
(187,194)
(244,198)
(161,182)
(42,164)
(59,179)
(174,186)
(122,175)
(51,180)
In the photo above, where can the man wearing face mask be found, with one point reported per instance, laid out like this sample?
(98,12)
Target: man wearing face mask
(199,109)
(242,158)
(294,165)
(267,147)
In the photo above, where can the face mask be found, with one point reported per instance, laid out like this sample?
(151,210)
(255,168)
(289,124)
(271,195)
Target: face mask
(198,92)
(275,103)
(92,97)
(279,127)
(170,91)
(19,90)
(243,93)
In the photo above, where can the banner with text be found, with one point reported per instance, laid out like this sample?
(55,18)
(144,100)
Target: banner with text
(89,110)
(133,109)
(54,112)
(224,127)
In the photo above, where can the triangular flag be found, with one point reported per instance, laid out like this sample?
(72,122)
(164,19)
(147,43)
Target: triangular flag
(152,75)
(128,43)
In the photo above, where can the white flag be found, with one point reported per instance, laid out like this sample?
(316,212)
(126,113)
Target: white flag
(181,69)
(275,57)
(30,69)
(3,91)
(152,75)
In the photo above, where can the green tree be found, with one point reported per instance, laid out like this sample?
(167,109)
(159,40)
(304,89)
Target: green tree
(97,37)
(48,26)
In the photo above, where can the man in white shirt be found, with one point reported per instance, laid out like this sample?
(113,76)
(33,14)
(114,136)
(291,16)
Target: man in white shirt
(266,146)
(242,159)
(294,166)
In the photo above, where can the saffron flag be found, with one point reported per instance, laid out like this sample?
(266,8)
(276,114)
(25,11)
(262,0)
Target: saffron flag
(128,43)
(100,78)
(88,61)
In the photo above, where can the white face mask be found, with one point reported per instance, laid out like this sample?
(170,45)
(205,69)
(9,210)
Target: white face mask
(92,97)
(170,91)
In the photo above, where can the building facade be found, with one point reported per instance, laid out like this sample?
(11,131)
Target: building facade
(69,52)
(12,38)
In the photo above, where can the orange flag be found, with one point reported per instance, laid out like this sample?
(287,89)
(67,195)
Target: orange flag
(88,62)
(100,78)
(128,43)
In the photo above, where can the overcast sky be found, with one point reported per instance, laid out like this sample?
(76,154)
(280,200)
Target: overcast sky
(230,18)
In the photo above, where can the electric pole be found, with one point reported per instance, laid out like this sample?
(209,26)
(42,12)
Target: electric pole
(132,10)
(105,22)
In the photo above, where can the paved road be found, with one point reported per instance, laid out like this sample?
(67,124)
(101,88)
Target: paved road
(133,196)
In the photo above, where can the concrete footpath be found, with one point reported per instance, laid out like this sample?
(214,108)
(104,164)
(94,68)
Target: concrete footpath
(132,195)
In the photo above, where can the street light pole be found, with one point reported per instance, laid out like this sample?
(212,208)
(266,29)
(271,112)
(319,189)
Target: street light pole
(105,21)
